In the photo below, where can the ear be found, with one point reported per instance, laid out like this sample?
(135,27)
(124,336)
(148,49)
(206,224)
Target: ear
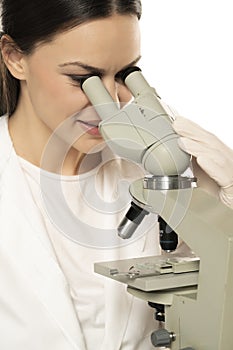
(13,57)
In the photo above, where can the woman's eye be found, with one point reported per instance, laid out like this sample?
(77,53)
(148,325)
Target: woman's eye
(78,79)
(118,78)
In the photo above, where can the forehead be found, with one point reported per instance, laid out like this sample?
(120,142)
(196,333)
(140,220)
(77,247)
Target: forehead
(100,42)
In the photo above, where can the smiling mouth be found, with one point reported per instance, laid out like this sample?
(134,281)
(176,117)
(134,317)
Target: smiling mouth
(90,127)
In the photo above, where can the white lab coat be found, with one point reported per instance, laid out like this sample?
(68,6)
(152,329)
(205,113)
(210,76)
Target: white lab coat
(36,310)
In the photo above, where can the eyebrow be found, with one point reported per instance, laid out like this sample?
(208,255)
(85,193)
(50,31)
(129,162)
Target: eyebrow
(92,69)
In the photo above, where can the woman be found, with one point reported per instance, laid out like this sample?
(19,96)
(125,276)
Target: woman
(62,191)
(58,179)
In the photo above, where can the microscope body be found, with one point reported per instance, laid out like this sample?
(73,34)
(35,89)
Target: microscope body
(200,316)
(198,300)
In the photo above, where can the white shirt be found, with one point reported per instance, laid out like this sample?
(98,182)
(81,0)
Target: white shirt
(91,208)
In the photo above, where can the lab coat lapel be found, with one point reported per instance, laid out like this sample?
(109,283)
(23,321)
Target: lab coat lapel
(24,238)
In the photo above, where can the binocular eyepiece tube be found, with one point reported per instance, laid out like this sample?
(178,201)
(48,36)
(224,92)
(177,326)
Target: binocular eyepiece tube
(141,131)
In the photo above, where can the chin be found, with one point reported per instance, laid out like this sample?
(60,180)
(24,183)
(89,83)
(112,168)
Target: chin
(90,146)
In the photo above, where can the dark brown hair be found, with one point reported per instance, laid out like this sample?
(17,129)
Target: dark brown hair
(31,22)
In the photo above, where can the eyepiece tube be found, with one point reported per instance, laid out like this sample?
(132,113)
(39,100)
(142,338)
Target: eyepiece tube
(124,74)
(163,156)
(135,81)
(99,97)
(130,222)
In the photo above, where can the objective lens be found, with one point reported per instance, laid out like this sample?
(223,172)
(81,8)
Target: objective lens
(130,222)
(168,237)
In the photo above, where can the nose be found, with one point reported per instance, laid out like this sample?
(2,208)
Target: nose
(112,87)
(118,91)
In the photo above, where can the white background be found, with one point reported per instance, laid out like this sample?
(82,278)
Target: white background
(187,48)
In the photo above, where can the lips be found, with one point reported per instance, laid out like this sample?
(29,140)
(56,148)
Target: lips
(90,126)
(91,123)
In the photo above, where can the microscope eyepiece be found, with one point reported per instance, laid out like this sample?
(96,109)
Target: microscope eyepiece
(121,75)
(124,73)
(82,80)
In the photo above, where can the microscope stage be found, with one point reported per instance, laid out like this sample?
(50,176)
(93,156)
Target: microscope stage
(152,273)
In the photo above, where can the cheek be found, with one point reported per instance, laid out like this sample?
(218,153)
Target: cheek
(53,96)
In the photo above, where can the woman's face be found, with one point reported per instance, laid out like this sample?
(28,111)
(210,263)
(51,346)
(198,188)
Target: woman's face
(51,91)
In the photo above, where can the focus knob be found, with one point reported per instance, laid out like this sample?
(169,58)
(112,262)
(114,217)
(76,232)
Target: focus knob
(162,337)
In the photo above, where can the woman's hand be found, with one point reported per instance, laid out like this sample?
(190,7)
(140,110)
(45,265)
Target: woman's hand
(212,155)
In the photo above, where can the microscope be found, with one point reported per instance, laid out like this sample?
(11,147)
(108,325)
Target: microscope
(192,295)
